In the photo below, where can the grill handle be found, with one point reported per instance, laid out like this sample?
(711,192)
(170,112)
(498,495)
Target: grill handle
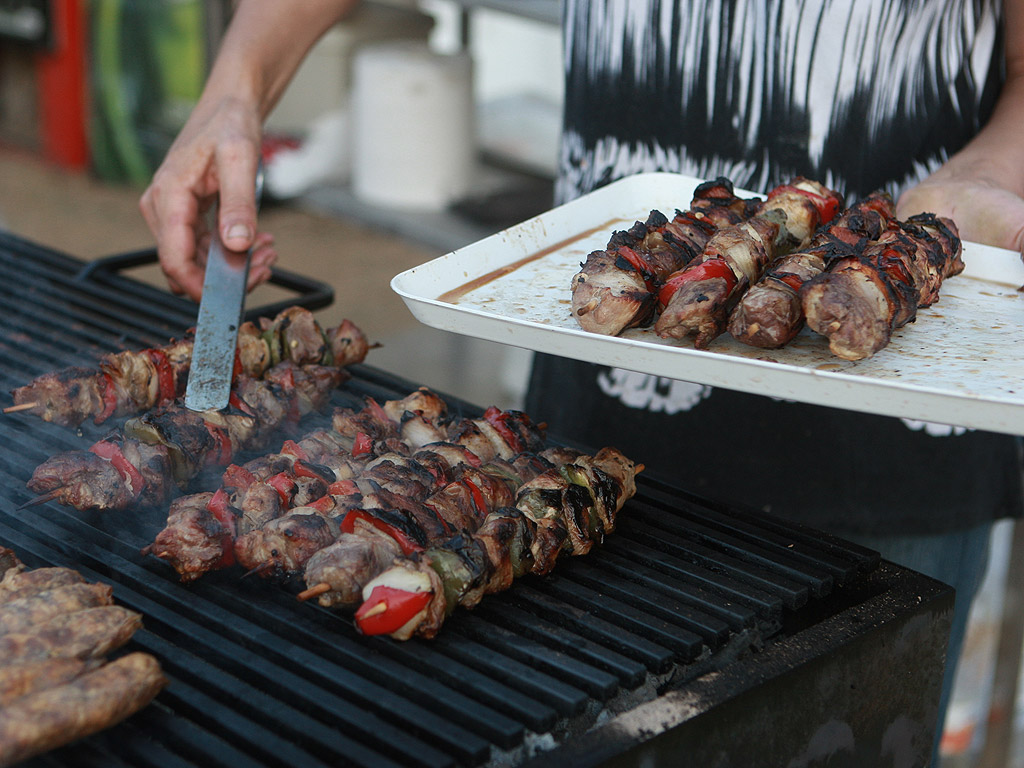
(310,294)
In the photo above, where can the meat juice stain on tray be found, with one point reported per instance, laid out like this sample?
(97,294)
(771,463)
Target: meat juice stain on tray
(453,296)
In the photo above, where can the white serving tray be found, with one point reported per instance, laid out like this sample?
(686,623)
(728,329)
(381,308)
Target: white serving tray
(961,362)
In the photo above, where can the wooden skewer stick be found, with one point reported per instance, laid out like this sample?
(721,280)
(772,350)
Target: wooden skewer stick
(258,569)
(314,591)
(48,496)
(20,407)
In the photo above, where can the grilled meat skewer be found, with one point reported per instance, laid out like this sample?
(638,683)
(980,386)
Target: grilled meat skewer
(372,536)
(770,314)
(616,288)
(157,454)
(252,524)
(568,509)
(862,299)
(131,382)
(202,527)
(698,299)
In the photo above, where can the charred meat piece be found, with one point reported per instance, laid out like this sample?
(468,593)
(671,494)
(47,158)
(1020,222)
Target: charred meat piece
(616,288)
(206,531)
(862,299)
(770,313)
(199,535)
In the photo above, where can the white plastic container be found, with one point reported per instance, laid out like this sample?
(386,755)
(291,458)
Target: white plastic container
(413,131)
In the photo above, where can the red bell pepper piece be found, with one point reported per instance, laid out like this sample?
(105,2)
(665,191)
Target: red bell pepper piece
(129,472)
(342,488)
(292,448)
(167,388)
(791,280)
(705,270)
(478,498)
(219,507)
(324,504)
(239,404)
(284,486)
(362,444)
(222,456)
(827,207)
(497,418)
(238,478)
(388,610)
(408,545)
(109,400)
(302,469)
(377,410)
(637,262)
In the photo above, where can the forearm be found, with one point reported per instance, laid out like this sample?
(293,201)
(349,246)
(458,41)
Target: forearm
(996,154)
(263,47)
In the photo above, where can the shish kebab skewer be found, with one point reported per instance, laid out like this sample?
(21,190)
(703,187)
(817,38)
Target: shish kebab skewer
(411,520)
(568,509)
(770,315)
(201,528)
(371,536)
(862,299)
(160,452)
(130,382)
(698,298)
(259,531)
(617,287)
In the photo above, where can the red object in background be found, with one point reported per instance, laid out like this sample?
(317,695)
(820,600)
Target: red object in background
(61,79)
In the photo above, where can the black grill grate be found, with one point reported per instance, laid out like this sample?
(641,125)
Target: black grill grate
(258,679)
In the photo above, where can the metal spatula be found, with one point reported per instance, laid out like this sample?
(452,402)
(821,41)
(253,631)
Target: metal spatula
(220,314)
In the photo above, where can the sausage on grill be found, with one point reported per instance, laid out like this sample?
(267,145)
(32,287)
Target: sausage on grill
(51,718)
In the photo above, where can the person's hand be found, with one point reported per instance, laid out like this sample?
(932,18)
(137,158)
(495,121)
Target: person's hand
(216,153)
(983,210)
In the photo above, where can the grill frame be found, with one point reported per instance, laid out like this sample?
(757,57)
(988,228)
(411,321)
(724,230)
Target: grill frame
(683,588)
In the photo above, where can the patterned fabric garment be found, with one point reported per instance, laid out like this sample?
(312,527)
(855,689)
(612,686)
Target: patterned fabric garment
(859,94)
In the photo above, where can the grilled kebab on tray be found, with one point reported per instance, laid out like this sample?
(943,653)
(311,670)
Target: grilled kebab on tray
(854,276)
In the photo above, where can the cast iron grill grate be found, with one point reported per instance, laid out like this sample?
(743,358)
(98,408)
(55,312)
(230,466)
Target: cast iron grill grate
(259,679)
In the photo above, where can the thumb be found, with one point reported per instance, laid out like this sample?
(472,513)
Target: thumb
(236,219)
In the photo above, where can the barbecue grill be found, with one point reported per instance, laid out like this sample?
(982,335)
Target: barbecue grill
(696,633)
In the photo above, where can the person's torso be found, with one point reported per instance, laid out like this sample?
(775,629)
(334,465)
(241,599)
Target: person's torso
(858,94)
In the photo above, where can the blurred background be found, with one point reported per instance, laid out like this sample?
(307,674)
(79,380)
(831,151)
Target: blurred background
(92,92)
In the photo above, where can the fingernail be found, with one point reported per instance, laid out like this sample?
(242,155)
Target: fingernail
(238,232)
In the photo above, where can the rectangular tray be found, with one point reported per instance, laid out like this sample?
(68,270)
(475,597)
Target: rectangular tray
(960,363)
